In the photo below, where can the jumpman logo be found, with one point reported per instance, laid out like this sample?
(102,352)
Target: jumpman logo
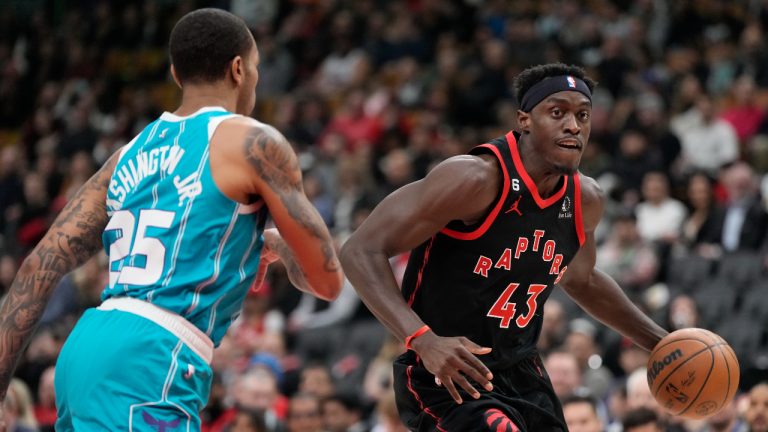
(160,425)
(514,208)
(497,421)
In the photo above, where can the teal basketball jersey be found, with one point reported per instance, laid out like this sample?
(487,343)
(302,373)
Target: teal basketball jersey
(173,238)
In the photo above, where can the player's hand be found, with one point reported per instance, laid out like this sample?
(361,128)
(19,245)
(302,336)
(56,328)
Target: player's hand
(452,360)
(268,256)
(269,250)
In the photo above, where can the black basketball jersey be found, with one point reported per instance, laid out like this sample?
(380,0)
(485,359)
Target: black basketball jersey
(489,281)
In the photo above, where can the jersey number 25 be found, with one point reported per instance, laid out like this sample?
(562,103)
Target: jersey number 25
(134,241)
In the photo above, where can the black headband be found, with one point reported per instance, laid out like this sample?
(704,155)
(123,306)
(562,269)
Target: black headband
(552,85)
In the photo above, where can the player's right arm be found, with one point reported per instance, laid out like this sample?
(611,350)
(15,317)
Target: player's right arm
(461,188)
(304,244)
(74,237)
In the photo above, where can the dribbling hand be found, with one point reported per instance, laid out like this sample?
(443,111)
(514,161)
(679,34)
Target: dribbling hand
(452,360)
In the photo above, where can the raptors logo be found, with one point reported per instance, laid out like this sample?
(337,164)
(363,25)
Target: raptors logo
(497,421)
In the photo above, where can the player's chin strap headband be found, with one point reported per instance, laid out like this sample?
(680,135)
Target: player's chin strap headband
(542,89)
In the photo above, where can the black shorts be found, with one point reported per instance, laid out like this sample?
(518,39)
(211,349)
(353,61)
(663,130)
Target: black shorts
(522,400)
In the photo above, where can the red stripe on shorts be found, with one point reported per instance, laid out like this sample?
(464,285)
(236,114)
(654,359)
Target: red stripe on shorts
(421,404)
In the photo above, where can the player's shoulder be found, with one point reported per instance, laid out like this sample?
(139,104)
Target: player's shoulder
(474,168)
(592,201)
(591,192)
(472,180)
(250,126)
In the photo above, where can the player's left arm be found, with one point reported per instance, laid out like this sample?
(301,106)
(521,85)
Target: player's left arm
(74,237)
(596,292)
(275,248)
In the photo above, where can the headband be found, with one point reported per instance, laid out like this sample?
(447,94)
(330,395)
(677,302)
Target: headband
(552,85)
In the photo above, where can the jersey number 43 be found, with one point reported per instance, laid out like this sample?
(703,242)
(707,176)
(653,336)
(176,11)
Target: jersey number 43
(506,310)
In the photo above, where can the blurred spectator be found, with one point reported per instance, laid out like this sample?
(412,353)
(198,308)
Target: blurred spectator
(45,408)
(564,372)
(257,322)
(388,419)
(649,117)
(742,223)
(708,142)
(378,377)
(31,218)
(642,420)
(313,313)
(725,420)
(304,414)
(617,407)
(248,421)
(316,380)
(634,160)
(343,413)
(346,64)
(683,313)
(275,67)
(696,233)
(659,216)
(626,256)
(319,197)
(757,412)
(581,342)
(744,115)
(8,268)
(358,128)
(257,391)
(638,394)
(19,413)
(553,326)
(581,414)
(631,357)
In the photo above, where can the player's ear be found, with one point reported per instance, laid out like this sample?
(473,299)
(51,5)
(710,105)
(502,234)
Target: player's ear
(237,69)
(175,77)
(524,121)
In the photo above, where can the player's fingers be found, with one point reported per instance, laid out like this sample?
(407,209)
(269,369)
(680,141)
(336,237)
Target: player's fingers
(476,370)
(438,382)
(461,381)
(451,389)
(473,347)
(260,277)
(475,363)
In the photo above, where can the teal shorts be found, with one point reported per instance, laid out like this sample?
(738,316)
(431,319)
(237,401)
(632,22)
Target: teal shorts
(120,371)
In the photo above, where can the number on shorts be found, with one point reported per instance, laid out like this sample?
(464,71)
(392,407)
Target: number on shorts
(505,310)
(123,222)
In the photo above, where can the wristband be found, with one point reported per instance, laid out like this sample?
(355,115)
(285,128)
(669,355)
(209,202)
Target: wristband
(416,334)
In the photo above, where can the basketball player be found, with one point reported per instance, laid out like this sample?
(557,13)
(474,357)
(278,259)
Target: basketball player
(181,212)
(491,233)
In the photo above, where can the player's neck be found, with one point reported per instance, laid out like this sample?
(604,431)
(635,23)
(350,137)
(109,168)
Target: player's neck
(543,174)
(200,96)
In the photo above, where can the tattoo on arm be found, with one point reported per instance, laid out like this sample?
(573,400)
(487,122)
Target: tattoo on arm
(295,274)
(73,238)
(271,156)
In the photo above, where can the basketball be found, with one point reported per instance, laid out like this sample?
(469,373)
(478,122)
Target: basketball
(693,373)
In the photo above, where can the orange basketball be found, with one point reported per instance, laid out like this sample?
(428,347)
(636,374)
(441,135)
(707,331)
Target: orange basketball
(693,373)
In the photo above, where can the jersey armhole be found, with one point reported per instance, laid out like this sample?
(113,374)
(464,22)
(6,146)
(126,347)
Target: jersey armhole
(483,227)
(577,219)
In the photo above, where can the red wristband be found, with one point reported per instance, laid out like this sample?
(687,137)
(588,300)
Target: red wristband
(425,328)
